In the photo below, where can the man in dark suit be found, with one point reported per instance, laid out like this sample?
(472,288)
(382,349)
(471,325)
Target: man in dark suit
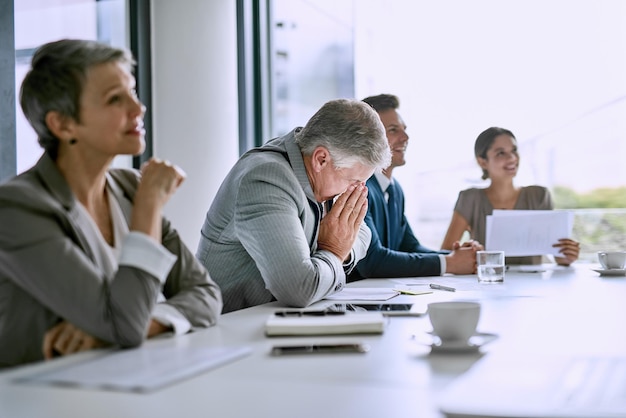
(394,250)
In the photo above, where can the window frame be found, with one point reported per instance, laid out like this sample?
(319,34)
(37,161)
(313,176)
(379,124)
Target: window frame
(8,94)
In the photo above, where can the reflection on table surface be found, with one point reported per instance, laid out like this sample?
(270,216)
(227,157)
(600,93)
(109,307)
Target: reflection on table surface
(555,310)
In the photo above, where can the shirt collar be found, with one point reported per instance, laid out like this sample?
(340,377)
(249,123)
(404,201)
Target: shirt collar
(383,181)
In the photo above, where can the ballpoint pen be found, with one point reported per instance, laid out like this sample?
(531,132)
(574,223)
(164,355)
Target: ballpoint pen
(441,287)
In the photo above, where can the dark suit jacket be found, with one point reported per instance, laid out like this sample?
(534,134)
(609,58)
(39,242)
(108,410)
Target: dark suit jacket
(393,253)
(48,271)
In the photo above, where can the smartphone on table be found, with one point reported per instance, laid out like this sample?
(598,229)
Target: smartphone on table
(320,348)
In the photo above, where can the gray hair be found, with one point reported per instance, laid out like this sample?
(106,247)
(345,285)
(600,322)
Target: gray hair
(352,133)
(56,80)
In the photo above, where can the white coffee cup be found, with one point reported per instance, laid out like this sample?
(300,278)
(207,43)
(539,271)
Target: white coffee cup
(611,260)
(454,321)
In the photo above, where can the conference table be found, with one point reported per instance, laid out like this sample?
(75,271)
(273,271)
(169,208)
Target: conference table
(548,310)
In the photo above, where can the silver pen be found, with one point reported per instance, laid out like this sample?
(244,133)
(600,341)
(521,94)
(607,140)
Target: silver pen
(441,287)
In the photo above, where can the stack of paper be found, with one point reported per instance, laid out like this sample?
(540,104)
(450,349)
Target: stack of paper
(348,323)
(527,232)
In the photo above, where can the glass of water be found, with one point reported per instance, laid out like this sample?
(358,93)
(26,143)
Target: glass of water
(490,266)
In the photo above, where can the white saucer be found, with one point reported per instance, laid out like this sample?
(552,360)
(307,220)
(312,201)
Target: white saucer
(611,272)
(472,345)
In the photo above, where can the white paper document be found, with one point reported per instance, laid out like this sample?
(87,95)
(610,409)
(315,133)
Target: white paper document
(459,283)
(364,293)
(143,369)
(527,232)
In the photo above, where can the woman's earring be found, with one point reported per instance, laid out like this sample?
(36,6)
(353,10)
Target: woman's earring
(73,141)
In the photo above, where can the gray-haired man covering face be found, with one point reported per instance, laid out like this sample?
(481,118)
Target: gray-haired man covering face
(287,222)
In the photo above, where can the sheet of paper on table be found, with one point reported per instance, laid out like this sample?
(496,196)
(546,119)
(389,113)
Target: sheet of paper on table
(459,283)
(142,369)
(527,232)
(364,293)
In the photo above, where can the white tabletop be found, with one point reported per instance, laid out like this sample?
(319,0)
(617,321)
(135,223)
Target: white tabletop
(561,311)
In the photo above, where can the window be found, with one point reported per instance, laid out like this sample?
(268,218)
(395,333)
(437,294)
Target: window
(41,21)
(312,59)
(548,71)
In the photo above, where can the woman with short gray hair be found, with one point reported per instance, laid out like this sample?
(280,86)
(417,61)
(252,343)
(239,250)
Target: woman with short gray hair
(86,257)
(55,82)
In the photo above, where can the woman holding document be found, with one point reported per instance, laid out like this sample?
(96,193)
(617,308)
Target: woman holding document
(496,153)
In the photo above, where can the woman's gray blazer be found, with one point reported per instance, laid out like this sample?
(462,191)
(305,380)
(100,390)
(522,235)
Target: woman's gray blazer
(48,273)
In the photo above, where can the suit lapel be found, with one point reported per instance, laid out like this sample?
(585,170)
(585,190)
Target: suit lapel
(379,211)
(73,219)
(121,195)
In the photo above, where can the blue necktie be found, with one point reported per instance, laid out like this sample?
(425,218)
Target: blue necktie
(393,218)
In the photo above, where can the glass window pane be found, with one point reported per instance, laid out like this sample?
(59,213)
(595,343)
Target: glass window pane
(548,71)
(41,21)
(312,59)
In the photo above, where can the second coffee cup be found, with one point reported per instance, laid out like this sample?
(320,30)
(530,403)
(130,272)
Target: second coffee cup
(611,260)
(454,321)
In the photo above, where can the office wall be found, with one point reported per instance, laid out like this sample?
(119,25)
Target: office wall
(194,72)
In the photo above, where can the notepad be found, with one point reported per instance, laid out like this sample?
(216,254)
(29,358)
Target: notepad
(143,369)
(350,323)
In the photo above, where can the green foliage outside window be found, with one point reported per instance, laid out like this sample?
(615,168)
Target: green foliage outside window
(600,218)
(604,198)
